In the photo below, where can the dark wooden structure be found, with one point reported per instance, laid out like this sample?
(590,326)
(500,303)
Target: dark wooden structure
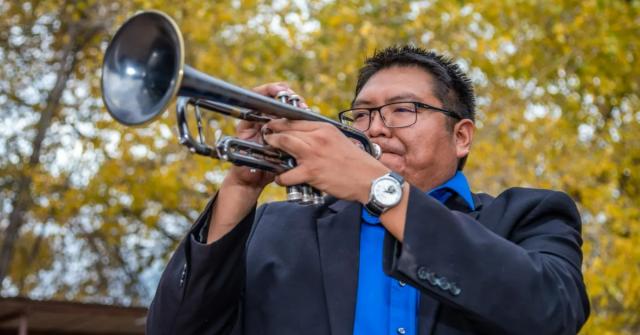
(21,316)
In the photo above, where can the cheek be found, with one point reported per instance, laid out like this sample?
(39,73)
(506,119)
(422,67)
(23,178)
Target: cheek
(425,153)
(418,159)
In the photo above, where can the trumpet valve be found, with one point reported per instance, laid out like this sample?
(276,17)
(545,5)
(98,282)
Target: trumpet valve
(318,198)
(294,100)
(283,96)
(307,195)
(294,194)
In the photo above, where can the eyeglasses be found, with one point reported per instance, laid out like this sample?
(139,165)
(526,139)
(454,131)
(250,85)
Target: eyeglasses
(393,115)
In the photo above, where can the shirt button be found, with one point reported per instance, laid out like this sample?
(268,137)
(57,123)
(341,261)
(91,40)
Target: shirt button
(401,283)
(401,331)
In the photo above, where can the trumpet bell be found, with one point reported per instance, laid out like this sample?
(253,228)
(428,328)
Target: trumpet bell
(143,68)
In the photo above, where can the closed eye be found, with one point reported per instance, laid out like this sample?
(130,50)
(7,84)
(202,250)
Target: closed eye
(403,110)
(360,114)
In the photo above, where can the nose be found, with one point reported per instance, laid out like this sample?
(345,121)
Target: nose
(377,127)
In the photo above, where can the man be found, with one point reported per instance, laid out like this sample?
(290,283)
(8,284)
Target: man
(401,246)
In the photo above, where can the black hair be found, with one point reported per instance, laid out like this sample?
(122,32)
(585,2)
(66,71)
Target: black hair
(452,86)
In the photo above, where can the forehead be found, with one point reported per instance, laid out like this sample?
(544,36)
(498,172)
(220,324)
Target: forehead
(397,83)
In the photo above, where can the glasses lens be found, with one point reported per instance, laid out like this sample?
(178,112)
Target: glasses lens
(401,114)
(357,118)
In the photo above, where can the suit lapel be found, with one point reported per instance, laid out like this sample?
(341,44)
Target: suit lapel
(339,243)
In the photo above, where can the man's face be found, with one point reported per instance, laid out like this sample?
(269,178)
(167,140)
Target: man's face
(425,153)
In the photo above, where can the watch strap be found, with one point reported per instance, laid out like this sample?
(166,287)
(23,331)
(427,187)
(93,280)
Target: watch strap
(397,177)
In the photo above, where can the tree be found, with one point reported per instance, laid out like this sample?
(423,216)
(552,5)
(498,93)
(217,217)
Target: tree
(35,37)
(557,82)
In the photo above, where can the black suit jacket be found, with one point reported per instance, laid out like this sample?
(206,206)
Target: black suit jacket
(510,267)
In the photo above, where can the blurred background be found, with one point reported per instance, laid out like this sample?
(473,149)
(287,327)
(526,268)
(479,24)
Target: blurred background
(90,211)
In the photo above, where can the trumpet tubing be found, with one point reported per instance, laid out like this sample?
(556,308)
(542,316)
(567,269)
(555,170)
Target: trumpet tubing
(144,71)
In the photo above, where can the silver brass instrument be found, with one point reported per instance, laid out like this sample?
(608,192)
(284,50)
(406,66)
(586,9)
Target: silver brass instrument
(144,70)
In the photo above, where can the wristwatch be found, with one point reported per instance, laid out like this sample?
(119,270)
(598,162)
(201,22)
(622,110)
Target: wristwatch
(385,193)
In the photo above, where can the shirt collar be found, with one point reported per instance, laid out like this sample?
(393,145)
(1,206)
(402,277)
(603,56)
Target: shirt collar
(457,184)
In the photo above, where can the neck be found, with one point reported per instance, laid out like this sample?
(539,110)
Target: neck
(427,184)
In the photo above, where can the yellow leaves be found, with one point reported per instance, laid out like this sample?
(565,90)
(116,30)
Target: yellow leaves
(520,48)
(559,30)
(526,60)
(366,29)
(613,283)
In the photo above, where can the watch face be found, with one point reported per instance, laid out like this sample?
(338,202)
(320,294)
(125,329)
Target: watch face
(387,192)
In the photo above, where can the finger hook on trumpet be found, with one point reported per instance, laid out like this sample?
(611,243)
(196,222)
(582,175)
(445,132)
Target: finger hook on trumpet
(237,151)
(144,71)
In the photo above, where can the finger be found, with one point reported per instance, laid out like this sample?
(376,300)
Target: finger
(287,143)
(304,136)
(246,130)
(295,176)
(356,143)
(272,89)
(244,124)
(281,125)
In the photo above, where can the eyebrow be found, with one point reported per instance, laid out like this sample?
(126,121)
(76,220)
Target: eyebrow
(395,98)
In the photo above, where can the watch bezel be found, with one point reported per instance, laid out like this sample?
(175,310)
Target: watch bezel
(379,197)
(374,206)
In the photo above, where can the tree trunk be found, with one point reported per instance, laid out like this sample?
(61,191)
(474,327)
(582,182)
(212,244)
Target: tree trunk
(78,36)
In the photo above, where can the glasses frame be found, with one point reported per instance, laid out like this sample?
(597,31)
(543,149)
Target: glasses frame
(416,105)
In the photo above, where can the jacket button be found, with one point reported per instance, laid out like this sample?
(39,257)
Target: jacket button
(401,331)
(455,290)
(438,281)
(445,285)
(423,273)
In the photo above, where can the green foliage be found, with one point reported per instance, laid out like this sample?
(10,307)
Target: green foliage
(557,82)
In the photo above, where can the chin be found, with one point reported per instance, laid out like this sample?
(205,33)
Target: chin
(394,162)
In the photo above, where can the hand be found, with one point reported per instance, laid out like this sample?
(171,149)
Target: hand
(326,159)
(243,176)
(242,187)
(245,130)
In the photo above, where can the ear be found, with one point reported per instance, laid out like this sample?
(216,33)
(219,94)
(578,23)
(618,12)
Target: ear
(463,135)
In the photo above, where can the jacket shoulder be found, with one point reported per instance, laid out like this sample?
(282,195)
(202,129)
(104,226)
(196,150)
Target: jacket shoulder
(526,197)
(520,205)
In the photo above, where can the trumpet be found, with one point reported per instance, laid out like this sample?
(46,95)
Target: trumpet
(144,71)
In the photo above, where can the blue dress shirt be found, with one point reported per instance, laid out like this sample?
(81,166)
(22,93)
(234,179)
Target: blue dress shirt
(384,305)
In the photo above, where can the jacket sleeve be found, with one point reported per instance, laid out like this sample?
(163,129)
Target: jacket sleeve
(201,287)
(517,270)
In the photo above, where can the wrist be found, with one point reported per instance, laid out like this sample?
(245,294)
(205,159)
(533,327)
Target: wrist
(235,181)
(234,202)
(250,193)
(385,193)
(368,178)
